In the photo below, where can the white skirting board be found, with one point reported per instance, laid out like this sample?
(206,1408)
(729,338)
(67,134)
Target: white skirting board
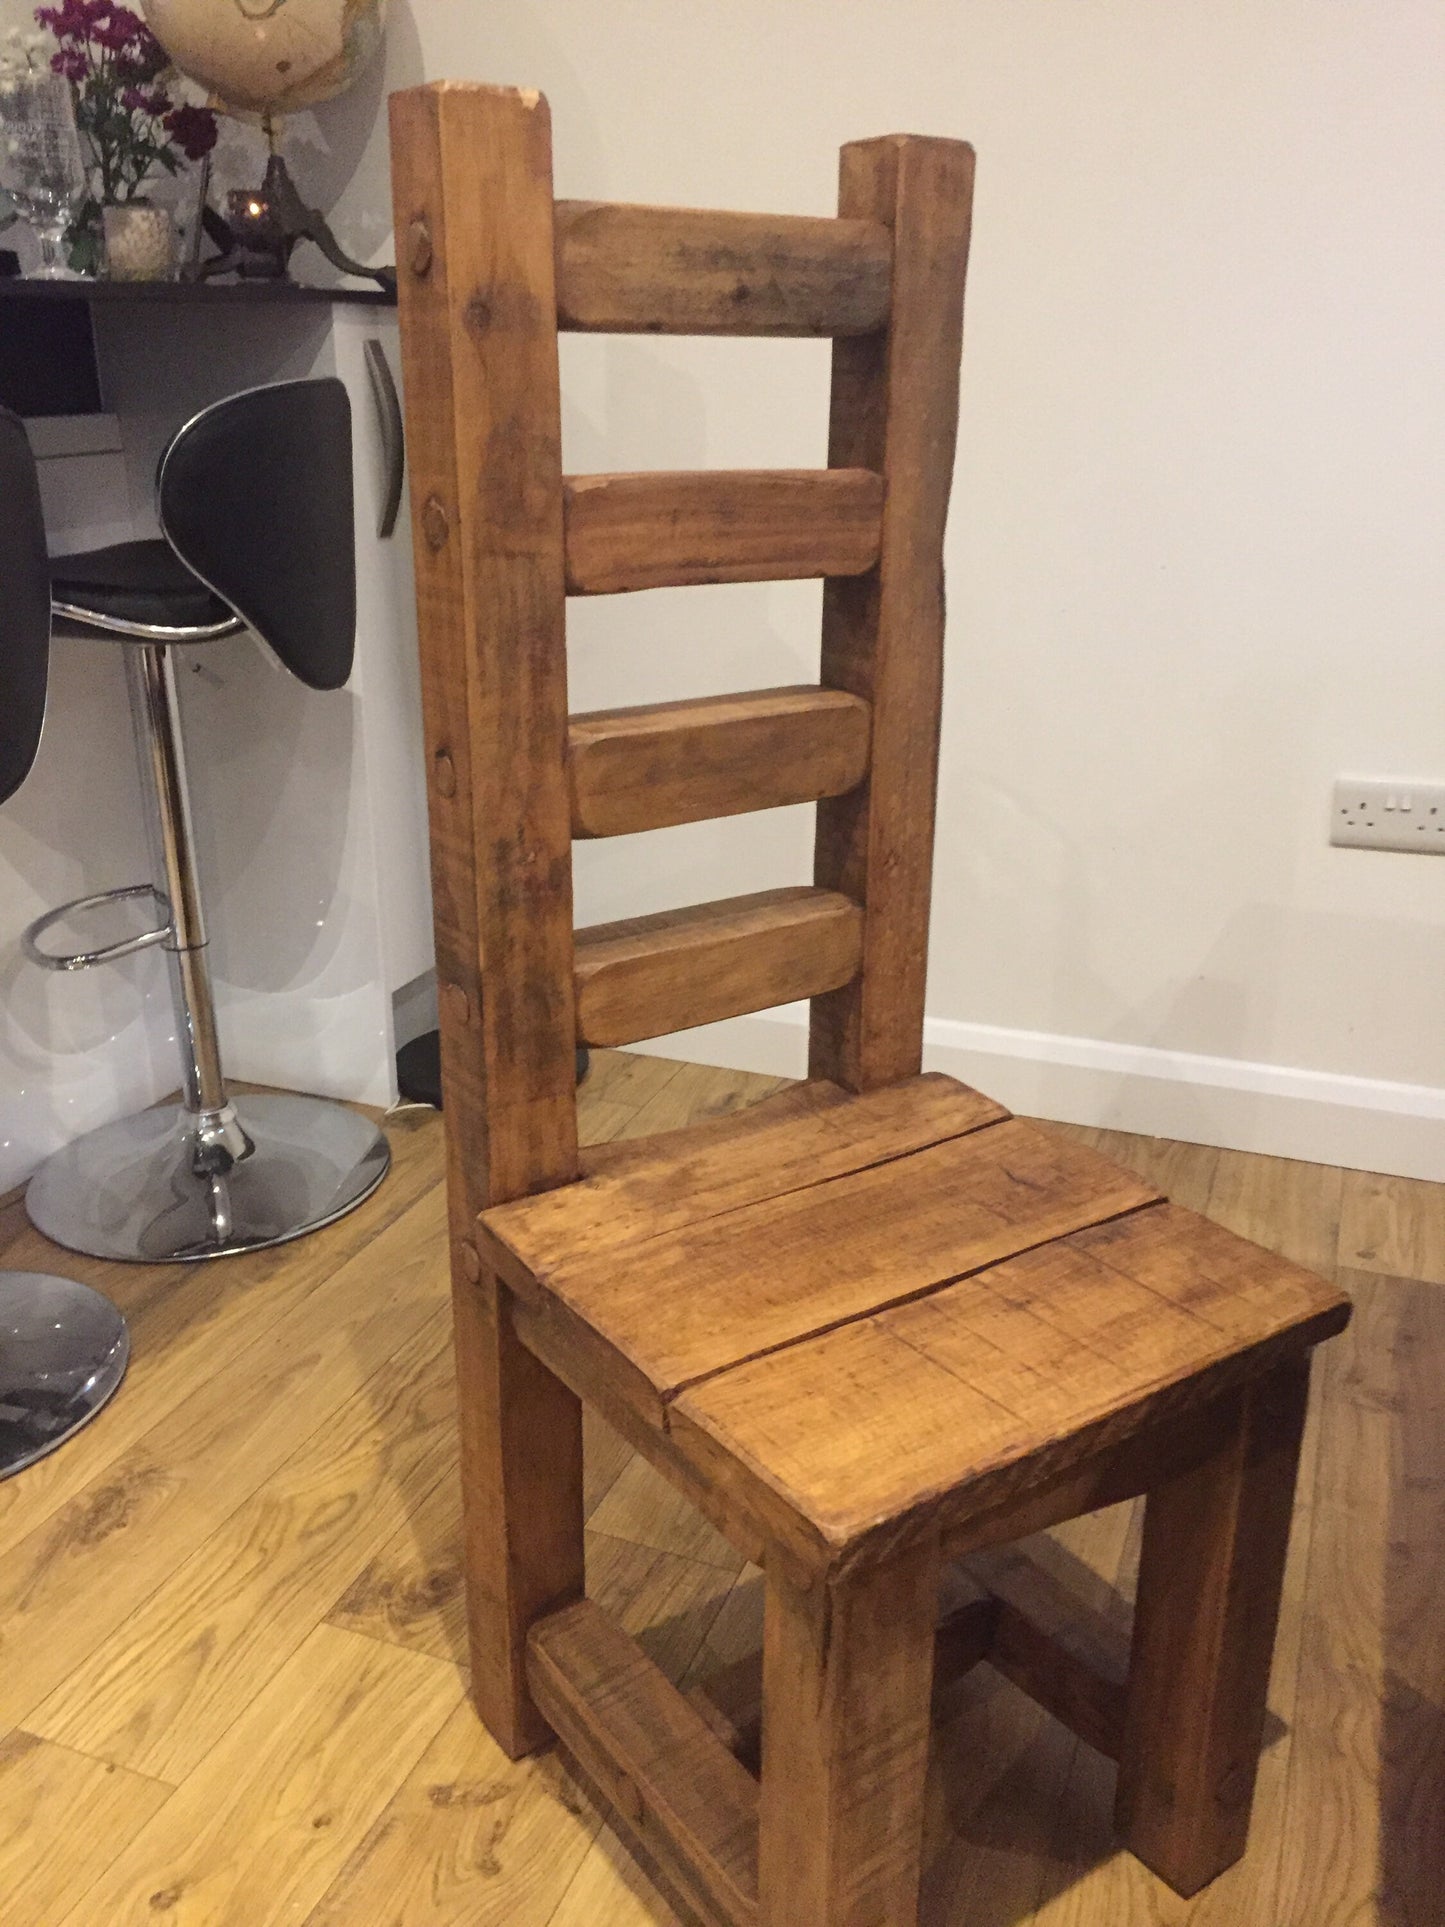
(1365,1123)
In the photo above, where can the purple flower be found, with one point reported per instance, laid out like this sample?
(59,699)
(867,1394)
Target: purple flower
(193,129)
(70,62)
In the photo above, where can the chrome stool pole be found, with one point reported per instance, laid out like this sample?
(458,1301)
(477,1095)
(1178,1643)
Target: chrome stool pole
(63,1353)
(211,1175)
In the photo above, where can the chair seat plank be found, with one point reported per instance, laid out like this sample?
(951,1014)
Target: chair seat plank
(646,975)
(678,270)
(645,1187)
(939,1410)
(645,768)
(775,1273)
(668,530)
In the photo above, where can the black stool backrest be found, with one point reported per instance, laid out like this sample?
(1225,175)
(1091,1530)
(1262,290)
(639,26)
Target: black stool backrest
(255,498)
(24,606)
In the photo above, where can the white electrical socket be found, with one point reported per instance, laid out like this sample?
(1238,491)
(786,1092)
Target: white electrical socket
(1375,813)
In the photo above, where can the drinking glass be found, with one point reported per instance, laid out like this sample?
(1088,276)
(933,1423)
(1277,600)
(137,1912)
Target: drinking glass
(41,165)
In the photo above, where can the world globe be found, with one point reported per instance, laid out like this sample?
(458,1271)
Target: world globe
(269,56)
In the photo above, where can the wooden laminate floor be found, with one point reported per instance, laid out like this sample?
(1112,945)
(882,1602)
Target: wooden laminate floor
(231,1636)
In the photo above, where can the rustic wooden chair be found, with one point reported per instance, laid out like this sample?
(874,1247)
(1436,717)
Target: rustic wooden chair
(874,1323)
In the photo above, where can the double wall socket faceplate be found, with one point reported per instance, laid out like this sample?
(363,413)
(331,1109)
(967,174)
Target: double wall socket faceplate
(1375,813)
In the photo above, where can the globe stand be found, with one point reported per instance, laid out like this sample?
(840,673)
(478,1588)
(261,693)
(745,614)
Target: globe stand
(263,226)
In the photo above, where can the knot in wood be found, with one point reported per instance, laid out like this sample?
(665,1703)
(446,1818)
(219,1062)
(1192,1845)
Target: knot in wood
(419,248)
(470,1260)
(446,774)
(459,1004)
(477,317)
(435,522)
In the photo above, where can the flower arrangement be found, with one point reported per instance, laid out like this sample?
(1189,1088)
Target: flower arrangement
(126,113)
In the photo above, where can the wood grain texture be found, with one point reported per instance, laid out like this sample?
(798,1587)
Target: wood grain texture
(645,976)
(1205,1615)
(641,769)
(894,410)
(184,1318)
(63,1819)
(1389,1225)
(673,270)
(668,530)
(260,1832)
(1357,1829)
(672,1782)
(847,1682)
(241,1421)
(161,1692)
(466,1838)
(807,1133)
(472,172)
(1048,1641)
(770,1275)
(1019,1812)
(961,1401)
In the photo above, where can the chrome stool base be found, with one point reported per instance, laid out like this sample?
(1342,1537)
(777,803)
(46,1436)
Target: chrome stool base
(63,1352)
(143,1189)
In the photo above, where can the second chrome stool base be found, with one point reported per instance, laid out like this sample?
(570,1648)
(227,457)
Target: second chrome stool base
(63,1352)
(154,1189)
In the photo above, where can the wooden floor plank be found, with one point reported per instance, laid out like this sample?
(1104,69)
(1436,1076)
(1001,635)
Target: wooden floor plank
(1361,1826)
(1183,1172)
(468,1840)
(185,1318)
(1392,1225)
(410,1591)
(1282,1203)
(239,1378)
(63,1819)
(257,1834)
(163,1689)
(72,1582)
(643,1507)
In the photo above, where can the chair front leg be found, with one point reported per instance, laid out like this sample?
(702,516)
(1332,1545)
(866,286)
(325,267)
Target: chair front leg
(522,1518)
(1210,1576)
(847,1677)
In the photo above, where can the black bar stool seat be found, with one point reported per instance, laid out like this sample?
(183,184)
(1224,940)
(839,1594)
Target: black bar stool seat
(141,583)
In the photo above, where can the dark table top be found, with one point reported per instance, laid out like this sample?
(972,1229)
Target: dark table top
(188,293)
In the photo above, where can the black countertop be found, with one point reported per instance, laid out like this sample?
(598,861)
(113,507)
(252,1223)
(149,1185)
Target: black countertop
(187,293)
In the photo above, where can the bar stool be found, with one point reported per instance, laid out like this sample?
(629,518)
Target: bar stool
(63,1348)
(255,506)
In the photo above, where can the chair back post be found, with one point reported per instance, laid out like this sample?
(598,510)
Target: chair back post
(474,219)
(894,410)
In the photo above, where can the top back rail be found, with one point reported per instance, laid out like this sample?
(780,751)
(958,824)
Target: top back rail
(492,268)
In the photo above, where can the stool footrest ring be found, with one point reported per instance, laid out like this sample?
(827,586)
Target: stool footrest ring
(108,953)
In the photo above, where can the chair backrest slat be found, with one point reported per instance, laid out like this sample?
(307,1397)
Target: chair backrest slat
(669,530)
(492,268)
(645,976)
(693,271)
(644,769)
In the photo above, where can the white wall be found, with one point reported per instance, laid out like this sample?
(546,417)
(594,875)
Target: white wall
(1196,560)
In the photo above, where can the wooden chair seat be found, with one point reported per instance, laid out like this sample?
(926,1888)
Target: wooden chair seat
(859,1320)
